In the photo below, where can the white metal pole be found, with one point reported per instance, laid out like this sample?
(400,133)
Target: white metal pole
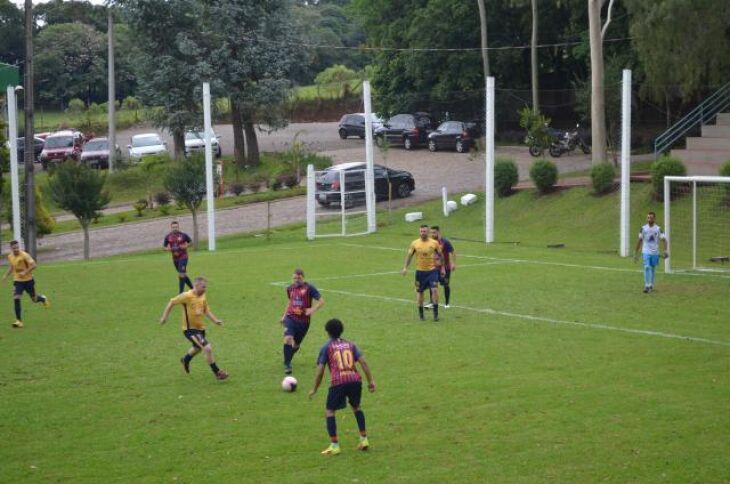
(311,203)
(444,201)
(694,225)
(209,166)
(667,226)
(14,183)
(489,148)
(369,170)
(342,200)
(625,163)
(112,99)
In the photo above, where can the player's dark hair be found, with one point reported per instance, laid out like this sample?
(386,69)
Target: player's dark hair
(174,222)
(436,228)
(334,328)
(299,272)
(652,213)
(424,225)
(14,242)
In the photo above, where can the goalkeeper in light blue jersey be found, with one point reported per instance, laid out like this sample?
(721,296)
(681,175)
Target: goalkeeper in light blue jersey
(649,237)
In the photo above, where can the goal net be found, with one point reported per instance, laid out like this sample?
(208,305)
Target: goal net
(697,223)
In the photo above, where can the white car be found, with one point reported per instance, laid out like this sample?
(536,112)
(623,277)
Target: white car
(195,141)
(144,145)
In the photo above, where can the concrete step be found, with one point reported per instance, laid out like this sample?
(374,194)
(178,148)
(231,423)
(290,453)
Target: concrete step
(702,155)
(698,167)
(722,144)
(723,119)
(715,131)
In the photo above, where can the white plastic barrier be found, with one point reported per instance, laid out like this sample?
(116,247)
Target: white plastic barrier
(413,216)
(468,199)
(451,206)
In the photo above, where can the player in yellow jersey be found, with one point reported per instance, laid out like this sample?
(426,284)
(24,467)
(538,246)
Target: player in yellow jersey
(427,252)
(194,309)
(22,266)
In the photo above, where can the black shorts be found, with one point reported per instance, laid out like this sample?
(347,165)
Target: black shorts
(196,337)
(339,394)
(181,265)
(427,280)
(27,286)
(444,280)
(295,329)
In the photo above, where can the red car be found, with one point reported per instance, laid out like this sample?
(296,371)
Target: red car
(61,146)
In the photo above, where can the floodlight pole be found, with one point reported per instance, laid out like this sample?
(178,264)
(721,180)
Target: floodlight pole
(625,163)
(489,150)
(311,207)
(14,183)
(209,167)
(369,170)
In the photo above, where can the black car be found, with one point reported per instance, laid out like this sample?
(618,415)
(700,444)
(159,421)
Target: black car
(37,148)
(354,125)
(453,135)
(329,182)
(408,130)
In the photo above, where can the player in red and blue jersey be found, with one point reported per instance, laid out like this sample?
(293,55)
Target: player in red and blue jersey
(177,242)
(304,300)
(345,383)
(447,261)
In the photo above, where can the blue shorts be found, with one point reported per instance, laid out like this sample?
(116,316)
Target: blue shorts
(295,329)
(196,337)
(27,286)
(427,280)
(338,395)
(181,265)
(651,260)
(444,280)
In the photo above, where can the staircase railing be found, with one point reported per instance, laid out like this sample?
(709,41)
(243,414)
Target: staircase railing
(699,115)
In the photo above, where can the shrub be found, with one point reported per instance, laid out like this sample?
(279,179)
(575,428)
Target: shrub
(164,209)
(725,169)
(506,176)
(76,106)
(544,174)
(237,188)
(274,183)
(602,176)
(139,206)
(162,199)
(288,180)
(665,166)
(122,218)
(254,185)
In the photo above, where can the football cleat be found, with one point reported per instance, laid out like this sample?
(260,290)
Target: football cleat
(646,290)
(18,324)
(186,365)
(364,444)
(287,370)
(447,306)
(46,302)
(428,306)
(333,449)
(221,375)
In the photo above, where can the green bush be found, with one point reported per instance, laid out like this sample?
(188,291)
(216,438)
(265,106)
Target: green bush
(665,166)
(122,218)
(506,176)
(544,175)
(602,176)
(76,106)
(725,169)
(140,206)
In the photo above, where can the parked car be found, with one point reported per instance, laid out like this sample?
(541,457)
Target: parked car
(408,130)
(37,148)
(453,135)
(354,125)
(96,153)
(61,146)
(401,183)
(195,141)
(145,145)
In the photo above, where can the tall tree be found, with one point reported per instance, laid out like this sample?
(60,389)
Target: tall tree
(11,33)
(185,181)
(63,12)
(79,189)
(484,38)
(598,108)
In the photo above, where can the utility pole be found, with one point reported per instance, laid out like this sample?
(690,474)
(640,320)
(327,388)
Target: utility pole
(111,120)
(30,221)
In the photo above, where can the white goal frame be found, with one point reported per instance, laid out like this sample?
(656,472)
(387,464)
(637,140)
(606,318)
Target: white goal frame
(667,211)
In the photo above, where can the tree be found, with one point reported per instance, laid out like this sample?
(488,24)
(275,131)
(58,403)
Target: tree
(185,181)
(598,108)
(11,33)
(79,189)
(62,12)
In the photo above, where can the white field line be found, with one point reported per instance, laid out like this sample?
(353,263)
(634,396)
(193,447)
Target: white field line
(546,263)
(540,319)
(386,273)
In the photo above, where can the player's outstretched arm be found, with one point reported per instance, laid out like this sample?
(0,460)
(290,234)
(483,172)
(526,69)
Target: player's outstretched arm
(8,272)
(317,380)
(213,318)
(639,244)
(368,373)
(166,312)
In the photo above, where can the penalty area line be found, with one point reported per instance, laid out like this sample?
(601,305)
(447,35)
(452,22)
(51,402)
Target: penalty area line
(541,319)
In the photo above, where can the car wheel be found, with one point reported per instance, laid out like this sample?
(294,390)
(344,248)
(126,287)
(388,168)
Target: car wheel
(407,143)
(432,146)
(342,133)
(460,147)
(403,190)
(585,148)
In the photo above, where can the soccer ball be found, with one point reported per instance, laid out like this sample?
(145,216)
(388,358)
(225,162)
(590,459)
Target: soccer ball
(289,384)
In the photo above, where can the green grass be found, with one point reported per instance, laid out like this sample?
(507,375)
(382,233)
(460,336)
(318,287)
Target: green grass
(636,167)
(551,366)
(55,120)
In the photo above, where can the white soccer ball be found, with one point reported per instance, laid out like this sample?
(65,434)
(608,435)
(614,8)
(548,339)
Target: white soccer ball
(289,384)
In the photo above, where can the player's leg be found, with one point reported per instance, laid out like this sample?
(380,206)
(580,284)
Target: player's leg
(420,287)
(654,264)
(289,332)
(647,271)
(354,396)
(17,293)
(182,268)
(208,352)
(196,348)
(335,401)
(446,282)
(433,288)
(36,298)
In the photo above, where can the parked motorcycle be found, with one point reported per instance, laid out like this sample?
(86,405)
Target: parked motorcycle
(567,142)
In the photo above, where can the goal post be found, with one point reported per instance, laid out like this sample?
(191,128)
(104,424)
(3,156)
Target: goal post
(697,223)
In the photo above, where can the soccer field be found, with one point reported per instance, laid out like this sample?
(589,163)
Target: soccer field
(550,365)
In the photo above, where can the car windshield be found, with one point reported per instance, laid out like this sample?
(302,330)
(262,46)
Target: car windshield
(139,141)
(96,146)
(59,142)
(192,135)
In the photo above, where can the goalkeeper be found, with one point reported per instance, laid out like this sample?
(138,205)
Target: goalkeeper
(649,237)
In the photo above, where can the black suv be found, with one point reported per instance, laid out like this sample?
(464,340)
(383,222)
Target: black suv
(329,183)
(354,125)
(453,135)
(409,130)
